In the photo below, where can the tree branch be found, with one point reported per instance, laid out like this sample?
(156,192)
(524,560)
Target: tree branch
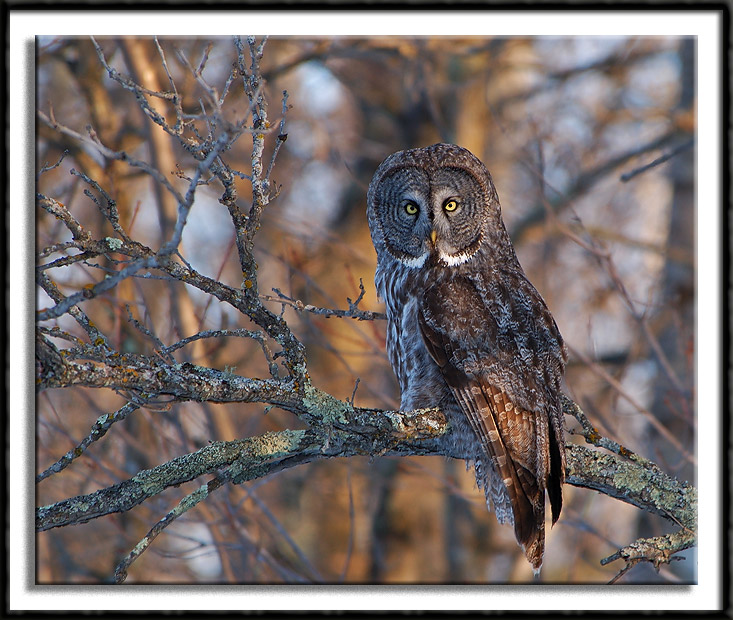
(349,433)
(338,430)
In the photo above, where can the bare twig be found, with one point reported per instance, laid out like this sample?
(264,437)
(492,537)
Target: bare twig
(260,337)
(176,99)
(593,436)
(657,551)
(93,140)
(159,346)
(46,167)
(281,137)
(98,430)
(627,176)
(63,306)
(139,92)
(110,211)
(585,181)
(96,337)
(352,313)
(184,206)
(56,247)
(211,92)
(282,531)
(57,332)
(66,260)
(60,212)
(645,412)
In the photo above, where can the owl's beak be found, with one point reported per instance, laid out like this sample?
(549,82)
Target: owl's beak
(433,236)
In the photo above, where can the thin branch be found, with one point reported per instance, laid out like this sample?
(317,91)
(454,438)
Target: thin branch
(98,430)
(60,212)
(352,313)
(56,247)
(64,261)
(57,332)
(211,92)
(281,137)
(110,212)
(657,551)
(593,436)
(46,167)
(159,346)
(184,206)
(93,140)
(186,504)
(62,307)
(583,182)
(139,92)
(314,572)
(176,97)
(49,286)
(627,176)
(659,427)
(260,337)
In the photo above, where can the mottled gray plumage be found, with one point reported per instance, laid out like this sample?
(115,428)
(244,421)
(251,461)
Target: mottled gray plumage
(468,333)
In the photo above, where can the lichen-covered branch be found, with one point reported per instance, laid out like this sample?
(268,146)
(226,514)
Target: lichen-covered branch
(337,429)
(630,478)
(642,485)
(343,433)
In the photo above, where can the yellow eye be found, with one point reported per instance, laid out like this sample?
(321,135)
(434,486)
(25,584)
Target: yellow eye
(411,208)
(451,205)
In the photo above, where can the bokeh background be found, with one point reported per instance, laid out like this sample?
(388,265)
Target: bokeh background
(564,124)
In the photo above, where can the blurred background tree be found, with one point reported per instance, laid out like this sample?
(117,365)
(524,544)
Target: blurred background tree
(590,142)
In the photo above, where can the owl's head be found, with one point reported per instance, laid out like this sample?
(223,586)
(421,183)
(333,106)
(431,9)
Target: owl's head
(439,200)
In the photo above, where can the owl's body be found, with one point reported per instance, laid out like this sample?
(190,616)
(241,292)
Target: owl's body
(467,332)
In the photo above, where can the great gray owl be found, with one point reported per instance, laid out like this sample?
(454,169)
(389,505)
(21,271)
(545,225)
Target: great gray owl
(467,332)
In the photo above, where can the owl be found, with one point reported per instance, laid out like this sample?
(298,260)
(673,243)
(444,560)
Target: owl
(468,333)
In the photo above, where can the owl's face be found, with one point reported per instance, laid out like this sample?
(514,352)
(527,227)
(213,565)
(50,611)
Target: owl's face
(424,202)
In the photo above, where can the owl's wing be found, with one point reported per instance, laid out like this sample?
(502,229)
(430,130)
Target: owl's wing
(451,318)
